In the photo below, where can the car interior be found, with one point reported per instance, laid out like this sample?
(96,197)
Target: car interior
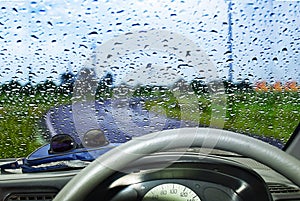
(150,100)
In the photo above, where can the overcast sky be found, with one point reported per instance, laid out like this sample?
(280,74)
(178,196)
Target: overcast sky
(50,37)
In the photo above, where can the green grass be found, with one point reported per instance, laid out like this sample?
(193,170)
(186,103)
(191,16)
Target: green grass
(269,114)
(20,116)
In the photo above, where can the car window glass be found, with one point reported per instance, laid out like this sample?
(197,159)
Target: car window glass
(227,64)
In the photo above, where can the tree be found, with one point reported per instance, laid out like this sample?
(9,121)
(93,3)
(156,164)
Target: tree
(199,86)
(46,87)
(67,81)
(244,86)
(105,85)
(11,87)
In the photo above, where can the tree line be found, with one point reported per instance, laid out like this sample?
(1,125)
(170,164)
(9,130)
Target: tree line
(66,86)
(105,85)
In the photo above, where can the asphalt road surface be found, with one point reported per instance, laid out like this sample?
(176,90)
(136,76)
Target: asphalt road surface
(120,120)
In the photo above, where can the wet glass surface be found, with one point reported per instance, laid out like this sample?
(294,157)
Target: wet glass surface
(130,68)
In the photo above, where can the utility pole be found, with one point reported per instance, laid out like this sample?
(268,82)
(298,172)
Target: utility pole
(94,56)
(230,57)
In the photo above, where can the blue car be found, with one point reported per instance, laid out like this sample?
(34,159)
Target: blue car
(101,131)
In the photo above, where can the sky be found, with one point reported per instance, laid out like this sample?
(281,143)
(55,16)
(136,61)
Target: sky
(42,39)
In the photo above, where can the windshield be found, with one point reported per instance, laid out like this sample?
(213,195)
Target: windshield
(128,68)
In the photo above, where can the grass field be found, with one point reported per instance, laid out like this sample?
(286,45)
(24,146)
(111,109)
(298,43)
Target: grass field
(20,116)
(272,114)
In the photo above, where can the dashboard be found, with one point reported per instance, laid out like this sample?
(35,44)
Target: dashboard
(173,175)
(188,177)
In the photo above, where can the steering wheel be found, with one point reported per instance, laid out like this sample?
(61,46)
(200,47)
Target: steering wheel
(116,159)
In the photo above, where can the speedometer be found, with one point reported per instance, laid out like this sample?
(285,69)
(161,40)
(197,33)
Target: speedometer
(171,192)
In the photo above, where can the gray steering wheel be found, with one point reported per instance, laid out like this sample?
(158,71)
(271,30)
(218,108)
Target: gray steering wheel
(104,166)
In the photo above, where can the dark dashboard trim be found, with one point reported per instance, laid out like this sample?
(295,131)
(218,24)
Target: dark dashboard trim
(244,182)
(292,138)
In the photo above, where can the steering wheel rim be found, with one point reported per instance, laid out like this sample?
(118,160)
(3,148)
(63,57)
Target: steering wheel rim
(116,159)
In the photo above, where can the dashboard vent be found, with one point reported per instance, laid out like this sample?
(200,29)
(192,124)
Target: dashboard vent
(281,188)
(31,197)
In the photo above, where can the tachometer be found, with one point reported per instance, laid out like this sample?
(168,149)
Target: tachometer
(171,192)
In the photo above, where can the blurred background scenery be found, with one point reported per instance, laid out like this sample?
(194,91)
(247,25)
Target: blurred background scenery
(254,46)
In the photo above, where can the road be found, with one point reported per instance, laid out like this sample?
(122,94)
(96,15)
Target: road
(120,120)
